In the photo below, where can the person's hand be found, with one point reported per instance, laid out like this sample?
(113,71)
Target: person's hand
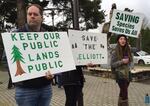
(125,61)
(49,75)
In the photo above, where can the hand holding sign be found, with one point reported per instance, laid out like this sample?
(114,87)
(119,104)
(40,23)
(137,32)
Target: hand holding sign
(49,75)
(31,54)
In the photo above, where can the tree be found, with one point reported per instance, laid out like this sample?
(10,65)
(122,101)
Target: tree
(17,57)
(13,11)
(89,13)
(7,13)
(21,15)
(145,39)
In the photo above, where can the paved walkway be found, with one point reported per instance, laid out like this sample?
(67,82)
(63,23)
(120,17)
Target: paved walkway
(97,92)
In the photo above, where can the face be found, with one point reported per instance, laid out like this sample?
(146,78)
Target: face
(122,41)
(34,17)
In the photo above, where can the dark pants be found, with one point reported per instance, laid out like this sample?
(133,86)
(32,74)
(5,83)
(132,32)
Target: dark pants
(59,80)
(73,93)
(10,84)
(80,99)
(123,85)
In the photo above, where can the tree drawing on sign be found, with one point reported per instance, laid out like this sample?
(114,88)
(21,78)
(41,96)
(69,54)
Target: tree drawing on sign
(17,57)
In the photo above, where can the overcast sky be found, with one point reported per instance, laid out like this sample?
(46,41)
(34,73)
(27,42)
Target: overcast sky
(139,6)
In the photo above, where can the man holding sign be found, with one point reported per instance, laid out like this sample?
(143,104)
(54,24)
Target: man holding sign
(38,91)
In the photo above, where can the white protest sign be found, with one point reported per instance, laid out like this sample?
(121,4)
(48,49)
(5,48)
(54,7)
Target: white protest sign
(126,23)
(88,47)
(31,54)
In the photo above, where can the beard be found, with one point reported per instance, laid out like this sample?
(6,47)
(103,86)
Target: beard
(33,24)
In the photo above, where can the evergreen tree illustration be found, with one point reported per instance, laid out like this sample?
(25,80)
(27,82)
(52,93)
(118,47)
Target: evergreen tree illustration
(17,57)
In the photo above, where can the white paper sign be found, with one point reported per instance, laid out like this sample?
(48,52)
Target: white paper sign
(126,23)
(88,47)
(31,54)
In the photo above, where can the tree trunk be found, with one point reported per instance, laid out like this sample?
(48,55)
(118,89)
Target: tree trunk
(19,71)
(75,12)
(138,42)
(21,13)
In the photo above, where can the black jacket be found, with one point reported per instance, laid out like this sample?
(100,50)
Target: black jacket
(74,77)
